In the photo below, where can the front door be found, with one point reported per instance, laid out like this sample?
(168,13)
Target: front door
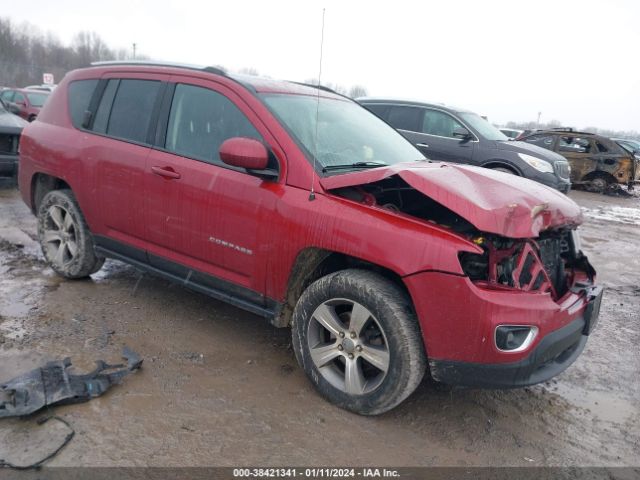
(201,213)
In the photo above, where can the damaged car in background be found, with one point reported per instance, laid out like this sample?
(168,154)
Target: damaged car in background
(299,205)
(10,129)
(597,163)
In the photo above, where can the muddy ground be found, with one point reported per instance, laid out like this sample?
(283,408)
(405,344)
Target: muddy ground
(220,386)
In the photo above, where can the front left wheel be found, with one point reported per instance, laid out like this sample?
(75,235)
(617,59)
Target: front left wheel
(67,243)
(357,339)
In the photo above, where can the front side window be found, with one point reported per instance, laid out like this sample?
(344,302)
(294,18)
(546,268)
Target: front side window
(482,127)
(200,120)
(439,123)
(340,132)
(132,108)
(19,98)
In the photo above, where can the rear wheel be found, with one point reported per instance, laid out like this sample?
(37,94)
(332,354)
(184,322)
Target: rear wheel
(67,243)
(358,341)
(600,182)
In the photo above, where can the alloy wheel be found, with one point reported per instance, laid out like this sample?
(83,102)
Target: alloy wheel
(348,346)
(59,239)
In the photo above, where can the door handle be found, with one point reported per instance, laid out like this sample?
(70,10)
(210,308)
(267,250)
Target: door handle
(166,172)
(422,145)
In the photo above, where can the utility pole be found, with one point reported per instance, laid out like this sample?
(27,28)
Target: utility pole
(134,51)
(539,113)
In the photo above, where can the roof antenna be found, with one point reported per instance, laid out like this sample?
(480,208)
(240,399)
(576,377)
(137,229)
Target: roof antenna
(312,195)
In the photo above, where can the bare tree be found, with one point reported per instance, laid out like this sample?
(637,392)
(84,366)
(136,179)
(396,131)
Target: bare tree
(26,53)
(249,71)
(357,91)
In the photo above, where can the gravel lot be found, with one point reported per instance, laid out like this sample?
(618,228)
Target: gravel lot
(221,387)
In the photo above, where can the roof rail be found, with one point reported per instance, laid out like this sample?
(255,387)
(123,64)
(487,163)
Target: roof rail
(154,63)
(319,87)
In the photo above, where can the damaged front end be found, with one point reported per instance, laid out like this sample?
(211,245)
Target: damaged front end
(551,263)
(525,233)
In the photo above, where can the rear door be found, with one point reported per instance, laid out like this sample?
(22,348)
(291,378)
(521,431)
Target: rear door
(124,122)
(431,130)
(204,218)
(580,153)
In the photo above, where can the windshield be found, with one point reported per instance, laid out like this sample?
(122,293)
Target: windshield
(484,128)
(37,99)
(630,145)
(346,132)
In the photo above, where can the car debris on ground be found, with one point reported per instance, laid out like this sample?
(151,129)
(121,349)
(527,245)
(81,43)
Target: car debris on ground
(54,385)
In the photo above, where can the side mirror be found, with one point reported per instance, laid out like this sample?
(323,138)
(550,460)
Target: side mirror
(249,154)
(461,133)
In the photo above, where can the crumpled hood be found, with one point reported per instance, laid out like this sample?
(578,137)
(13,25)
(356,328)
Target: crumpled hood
(494,202)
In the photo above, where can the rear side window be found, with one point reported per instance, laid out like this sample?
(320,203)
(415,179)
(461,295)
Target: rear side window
(405,118)
(132,108)
(80,93)
(200,120)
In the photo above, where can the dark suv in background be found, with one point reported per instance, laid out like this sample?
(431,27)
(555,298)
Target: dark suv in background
(455,135)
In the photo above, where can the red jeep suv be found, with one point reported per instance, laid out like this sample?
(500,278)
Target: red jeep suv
(297,204)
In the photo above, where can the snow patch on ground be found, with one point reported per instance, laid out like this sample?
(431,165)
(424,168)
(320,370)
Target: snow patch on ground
(626,215)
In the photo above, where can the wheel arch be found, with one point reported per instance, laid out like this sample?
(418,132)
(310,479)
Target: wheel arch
(313,263)
(41,184)
(599,174)
(496,163)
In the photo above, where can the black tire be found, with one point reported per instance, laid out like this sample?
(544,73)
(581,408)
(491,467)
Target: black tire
(79,261)
(391,311)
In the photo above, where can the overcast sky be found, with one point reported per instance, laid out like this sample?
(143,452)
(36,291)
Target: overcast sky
(574,61)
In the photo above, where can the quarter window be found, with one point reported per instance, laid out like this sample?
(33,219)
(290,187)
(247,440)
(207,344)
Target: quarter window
(200,120)
(439,123)
(132,109)
(80,93)
(380,110)
(102,114)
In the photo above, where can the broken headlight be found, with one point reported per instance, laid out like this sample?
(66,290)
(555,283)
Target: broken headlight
(575,240)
